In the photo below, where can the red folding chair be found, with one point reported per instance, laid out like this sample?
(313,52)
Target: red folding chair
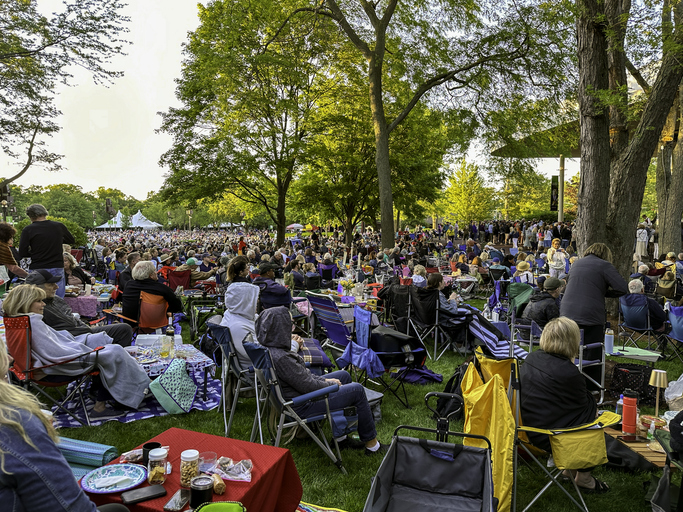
(19,337)
(179,278)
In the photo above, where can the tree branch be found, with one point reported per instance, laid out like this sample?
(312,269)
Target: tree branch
(316,10)
(29,160)
(450,75)
(348,29)
(637,76)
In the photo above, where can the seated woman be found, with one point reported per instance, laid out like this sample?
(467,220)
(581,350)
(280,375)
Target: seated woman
(666,285)
(120,375)
(7,233)
(523,273)
(554,392)
(420,276)
(238,270)
(119,262)
(273,330)
(35,476)
(75,275)
(451,317)
(145,279)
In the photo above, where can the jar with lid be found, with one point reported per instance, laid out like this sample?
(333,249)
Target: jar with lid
(189,467)
(156,468)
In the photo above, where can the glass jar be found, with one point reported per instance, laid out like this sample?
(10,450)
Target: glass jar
(189,467)
(156,468)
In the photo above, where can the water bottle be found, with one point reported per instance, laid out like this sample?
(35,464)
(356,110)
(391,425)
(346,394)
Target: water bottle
(487,312)
(609,341)
(628,420)
(620,405)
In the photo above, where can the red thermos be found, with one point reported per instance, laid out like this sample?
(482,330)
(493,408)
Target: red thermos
(628,420)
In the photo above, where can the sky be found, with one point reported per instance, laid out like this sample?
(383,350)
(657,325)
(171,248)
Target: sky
(108,133)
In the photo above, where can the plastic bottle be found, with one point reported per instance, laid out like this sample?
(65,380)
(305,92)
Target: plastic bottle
(628,421)
(487,312)
(620,405)
(609,341)
(651,430)
(167,341)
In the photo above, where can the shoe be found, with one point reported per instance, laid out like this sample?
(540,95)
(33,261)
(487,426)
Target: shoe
(107,414)
(600,487)
(383,448)
(351,444)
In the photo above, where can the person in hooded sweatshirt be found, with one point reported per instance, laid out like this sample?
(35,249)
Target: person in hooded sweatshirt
(273,329)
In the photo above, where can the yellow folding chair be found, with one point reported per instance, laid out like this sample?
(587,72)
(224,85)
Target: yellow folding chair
(573,448)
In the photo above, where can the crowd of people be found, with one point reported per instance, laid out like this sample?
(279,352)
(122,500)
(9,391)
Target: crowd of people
(569,297)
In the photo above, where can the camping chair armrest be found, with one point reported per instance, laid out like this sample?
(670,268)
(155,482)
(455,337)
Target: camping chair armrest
(95,351)
(117,315)
(349,321)
(593,345)
(97,321)
(313,395)
(606,419)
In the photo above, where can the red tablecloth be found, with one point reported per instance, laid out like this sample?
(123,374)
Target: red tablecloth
(84,305)
(275,484)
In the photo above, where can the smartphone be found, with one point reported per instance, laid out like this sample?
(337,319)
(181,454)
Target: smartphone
(142,494)
(178,501)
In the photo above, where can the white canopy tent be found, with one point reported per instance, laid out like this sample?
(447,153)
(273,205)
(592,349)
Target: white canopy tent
(136,221)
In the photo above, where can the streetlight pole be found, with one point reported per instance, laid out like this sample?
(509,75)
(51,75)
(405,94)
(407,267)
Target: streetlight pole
(189,219)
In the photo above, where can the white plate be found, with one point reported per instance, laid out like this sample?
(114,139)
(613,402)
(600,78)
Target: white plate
(136,472)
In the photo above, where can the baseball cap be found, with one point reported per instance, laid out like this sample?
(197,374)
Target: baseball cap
(496,260)
(191,261)
(264,268)
(41,276)
(552,283)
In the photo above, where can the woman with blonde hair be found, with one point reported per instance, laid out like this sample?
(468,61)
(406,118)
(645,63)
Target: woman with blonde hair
(33,473)
(121,377)
(554,392)
(420,276)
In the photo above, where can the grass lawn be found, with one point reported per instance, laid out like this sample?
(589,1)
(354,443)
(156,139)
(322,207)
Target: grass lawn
(325,485)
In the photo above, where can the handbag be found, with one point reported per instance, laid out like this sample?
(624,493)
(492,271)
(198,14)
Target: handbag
(174,389)
(221,506)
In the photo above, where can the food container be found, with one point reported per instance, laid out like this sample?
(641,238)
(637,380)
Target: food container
(189,467)
(207,460)
(156,468)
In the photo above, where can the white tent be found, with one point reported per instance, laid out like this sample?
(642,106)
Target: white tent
(140,221)
(136,221)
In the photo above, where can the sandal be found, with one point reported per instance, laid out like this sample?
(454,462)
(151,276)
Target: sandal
(600,487)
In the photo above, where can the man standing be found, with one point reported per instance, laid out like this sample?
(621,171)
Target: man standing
(42,241)
(58,315)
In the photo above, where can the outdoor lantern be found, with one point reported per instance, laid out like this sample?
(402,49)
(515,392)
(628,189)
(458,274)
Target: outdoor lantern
(658,380)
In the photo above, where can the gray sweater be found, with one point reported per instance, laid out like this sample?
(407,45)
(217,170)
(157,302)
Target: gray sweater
(591,279)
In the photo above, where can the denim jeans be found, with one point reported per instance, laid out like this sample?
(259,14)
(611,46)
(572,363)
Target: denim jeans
(58,272)
(350,393)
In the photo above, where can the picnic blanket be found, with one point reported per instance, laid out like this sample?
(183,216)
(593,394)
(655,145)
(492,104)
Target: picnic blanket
(150,408)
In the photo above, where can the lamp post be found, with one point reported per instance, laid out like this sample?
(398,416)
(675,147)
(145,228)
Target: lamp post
(189,219)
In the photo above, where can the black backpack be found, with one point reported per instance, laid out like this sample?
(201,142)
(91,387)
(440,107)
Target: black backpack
(445,406)
(210,347)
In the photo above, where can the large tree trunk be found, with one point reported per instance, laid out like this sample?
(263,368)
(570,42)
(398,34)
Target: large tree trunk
(670,184)
(594,125)
(281,218)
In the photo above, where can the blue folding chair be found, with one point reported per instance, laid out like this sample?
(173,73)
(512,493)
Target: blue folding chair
(327,313)
(676,334)
(270,395)
(635,317)
(233,375)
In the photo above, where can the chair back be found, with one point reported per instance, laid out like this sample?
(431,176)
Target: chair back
(363,319)
(634,310)
(328,272)
(113,277)
(312,282)
(406,280)
(265,374)
(221,334)
(668,291)
(18,337)
(179,278)
(329,317)
(78,254)
(153,310)
(497,273)
(676,320)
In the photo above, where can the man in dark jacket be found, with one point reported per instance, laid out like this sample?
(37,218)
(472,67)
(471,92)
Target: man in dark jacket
(58,314)
(126,274)
(542,307)
(42,241)
(145,279)
(273,330)
(272,293)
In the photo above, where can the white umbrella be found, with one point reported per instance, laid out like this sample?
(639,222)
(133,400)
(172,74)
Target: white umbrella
(295,226)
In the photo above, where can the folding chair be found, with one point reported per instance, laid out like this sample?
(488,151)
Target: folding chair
(424,318)
(676,334)
(336,328)
(233,376)
(573,448)
(179,278)
(113,277)
(153,314)
(19,345)
(270,395)
(327,273)
(634,315)
(583,363)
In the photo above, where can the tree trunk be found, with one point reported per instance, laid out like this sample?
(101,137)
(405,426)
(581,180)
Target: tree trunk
(594,125)
(386,200)
(281,218)
(348,229)
(397,226)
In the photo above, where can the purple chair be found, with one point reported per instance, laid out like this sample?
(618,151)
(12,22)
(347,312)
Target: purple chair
(328,272)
